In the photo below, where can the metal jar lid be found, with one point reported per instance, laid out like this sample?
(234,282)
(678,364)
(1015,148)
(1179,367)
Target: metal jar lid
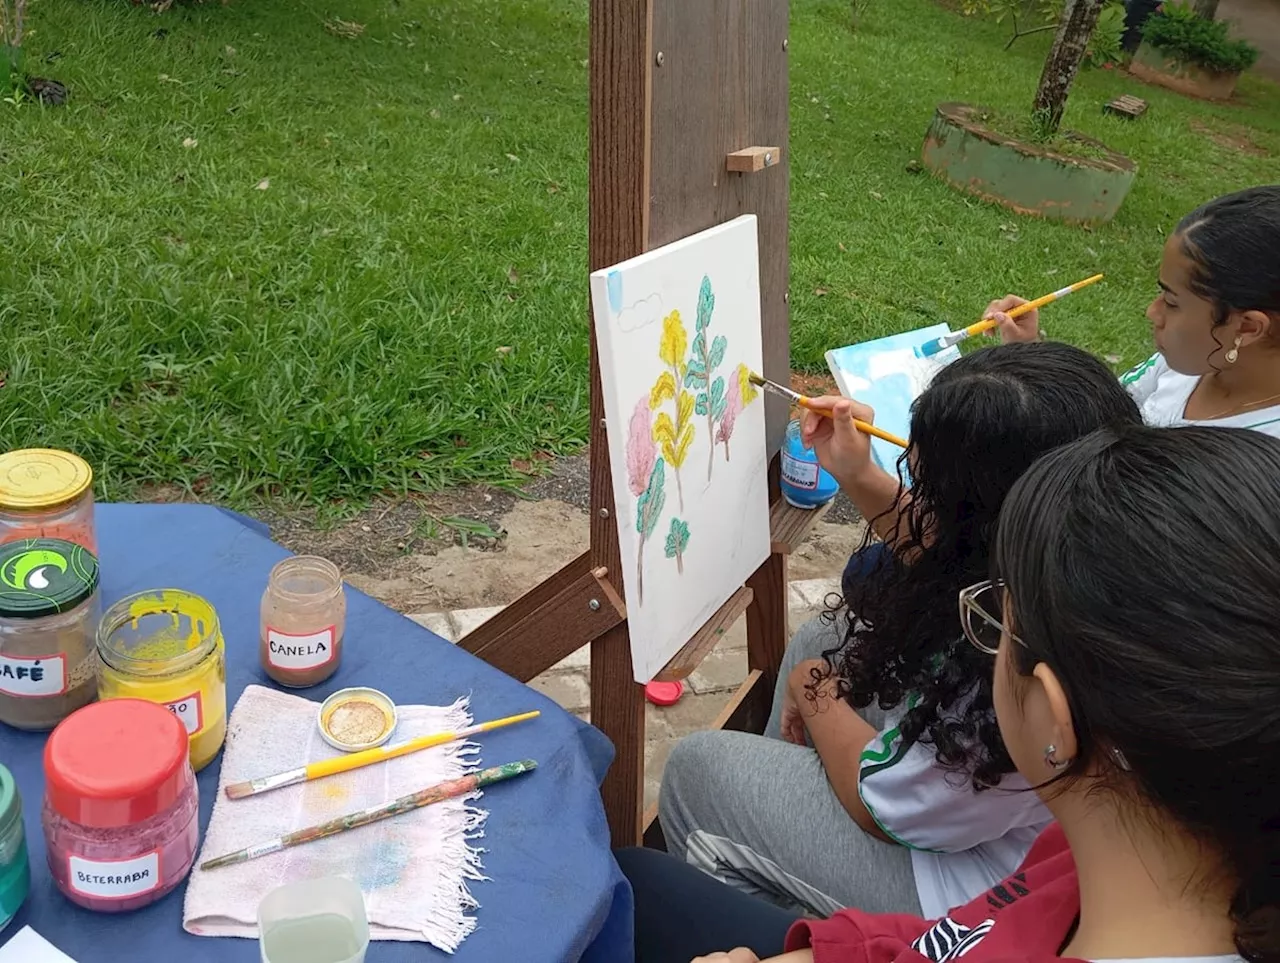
(44,576)
(32,479)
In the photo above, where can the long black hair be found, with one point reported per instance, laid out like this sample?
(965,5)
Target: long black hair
(1143,567)
(1234,241)
(978,426)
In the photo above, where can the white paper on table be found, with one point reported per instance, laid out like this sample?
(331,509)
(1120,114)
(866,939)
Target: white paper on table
(28,946)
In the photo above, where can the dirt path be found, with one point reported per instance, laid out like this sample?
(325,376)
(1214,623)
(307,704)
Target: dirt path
(402,554)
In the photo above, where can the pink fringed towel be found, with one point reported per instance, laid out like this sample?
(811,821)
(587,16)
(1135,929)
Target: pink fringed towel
(414,869)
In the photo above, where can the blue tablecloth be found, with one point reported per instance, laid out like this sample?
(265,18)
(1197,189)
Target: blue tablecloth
(555,894)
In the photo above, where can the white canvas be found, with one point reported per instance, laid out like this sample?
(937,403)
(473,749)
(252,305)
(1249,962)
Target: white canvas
(678,329)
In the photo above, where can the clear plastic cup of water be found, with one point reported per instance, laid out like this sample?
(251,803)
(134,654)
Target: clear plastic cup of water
(314,921)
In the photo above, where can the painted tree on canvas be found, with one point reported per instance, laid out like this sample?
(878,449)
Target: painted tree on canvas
(678,542)
(675,436)
(741,393)
(706,356)
(646,477)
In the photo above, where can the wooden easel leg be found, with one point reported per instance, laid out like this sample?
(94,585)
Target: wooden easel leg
(617,709)
(767,630)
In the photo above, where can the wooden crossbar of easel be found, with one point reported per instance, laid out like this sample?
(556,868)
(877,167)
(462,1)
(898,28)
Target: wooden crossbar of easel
(680,93)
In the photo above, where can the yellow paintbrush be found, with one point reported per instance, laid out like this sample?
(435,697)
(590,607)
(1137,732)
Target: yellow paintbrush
(804,402)
(930,348)
(356,760)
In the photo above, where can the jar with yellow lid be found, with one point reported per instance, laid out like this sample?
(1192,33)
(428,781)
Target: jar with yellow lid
(45,493)
(166,646)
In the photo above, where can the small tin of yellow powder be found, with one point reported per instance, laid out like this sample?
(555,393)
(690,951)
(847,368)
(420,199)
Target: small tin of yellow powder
(357,718)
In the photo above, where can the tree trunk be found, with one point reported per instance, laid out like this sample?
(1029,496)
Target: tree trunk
(1207,8)
(1079,17)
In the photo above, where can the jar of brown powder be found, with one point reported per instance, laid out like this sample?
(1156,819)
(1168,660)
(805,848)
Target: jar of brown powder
(49,612)
(304,615)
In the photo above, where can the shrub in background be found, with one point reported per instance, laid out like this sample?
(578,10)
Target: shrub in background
(1177,30)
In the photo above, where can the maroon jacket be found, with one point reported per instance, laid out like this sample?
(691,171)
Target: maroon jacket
(1025,919)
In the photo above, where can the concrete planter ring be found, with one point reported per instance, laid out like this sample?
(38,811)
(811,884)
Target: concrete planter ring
(1025,177)
(1154,66)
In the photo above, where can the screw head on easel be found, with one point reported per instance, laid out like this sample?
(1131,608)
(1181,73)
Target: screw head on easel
(659,59)
(594,605)
(604,513)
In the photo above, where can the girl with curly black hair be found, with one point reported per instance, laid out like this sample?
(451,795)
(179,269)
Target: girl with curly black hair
(881,781)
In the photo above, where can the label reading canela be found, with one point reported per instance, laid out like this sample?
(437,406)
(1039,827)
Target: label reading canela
(801,474)
(115,878)
(190,710)
(33,677)
(300,651)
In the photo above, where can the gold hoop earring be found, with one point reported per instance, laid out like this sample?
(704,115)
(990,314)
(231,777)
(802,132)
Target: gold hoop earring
(1233,355)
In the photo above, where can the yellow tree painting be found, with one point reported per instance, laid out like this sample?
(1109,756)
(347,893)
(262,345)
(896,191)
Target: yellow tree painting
(673,435)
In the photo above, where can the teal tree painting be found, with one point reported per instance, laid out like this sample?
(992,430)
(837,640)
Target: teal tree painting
(706,356)
(677,542)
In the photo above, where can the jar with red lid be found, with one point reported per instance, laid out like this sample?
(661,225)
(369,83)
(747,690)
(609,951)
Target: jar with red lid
(121,809)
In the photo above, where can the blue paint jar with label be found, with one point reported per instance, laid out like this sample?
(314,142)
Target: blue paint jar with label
(805,484)
(15,871)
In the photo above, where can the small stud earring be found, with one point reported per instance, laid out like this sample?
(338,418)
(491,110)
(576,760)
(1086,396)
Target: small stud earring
(1051,758)
(1233,354)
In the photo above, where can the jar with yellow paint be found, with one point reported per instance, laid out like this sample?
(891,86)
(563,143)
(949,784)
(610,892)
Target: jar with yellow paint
(166,646)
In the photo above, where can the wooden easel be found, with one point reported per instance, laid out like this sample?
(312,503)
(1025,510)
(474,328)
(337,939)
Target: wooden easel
(689,102)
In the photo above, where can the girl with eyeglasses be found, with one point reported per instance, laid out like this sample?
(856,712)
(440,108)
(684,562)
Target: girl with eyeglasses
(881,781)
(1130,627)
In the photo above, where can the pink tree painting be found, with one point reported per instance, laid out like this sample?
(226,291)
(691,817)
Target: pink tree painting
(740,393)
(646,477)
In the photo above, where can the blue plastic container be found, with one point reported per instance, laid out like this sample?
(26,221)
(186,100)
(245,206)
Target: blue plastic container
(805,484)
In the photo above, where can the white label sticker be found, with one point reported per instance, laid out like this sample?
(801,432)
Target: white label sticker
(300,651)
(801,474)
(44,675)
(190,710)
(115,878)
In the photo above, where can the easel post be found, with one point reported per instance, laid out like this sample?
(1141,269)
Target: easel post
(681,95)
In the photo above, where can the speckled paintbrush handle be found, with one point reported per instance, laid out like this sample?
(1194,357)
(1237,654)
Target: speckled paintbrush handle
(424,797)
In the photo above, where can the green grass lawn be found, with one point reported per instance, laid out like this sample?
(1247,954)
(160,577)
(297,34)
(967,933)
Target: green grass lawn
(254,256)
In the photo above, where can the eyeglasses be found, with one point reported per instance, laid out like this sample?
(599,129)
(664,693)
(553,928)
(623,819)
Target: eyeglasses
(982,616)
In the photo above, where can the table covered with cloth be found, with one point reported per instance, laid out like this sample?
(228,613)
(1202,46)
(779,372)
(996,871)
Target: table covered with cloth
(554,893)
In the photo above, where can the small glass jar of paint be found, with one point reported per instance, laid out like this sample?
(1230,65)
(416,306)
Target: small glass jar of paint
(805,483)
(45,493)
(49,610)
(121,808)
(15,871)
(166,646)
(303,619)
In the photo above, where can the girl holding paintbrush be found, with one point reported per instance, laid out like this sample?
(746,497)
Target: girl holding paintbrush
(1215,321)
(880,781)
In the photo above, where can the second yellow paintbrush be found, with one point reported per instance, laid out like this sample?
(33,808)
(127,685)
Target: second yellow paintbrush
(930,348)
(357,760)
(798,399)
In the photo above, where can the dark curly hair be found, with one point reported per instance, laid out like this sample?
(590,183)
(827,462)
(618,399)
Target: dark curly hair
(978,426)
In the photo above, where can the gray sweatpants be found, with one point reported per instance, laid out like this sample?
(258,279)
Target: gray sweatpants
(758,813)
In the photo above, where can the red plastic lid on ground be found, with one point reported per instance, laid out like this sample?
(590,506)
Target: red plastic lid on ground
(664,693)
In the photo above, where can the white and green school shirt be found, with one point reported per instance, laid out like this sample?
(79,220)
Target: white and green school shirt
(962,841)
(1162,393)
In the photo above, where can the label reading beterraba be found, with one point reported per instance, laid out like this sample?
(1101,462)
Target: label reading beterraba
(44,675)
(115,878)
(190,711)
(300,651)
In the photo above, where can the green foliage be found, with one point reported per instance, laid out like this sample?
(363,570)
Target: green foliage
(1105,43)
(1177,30)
